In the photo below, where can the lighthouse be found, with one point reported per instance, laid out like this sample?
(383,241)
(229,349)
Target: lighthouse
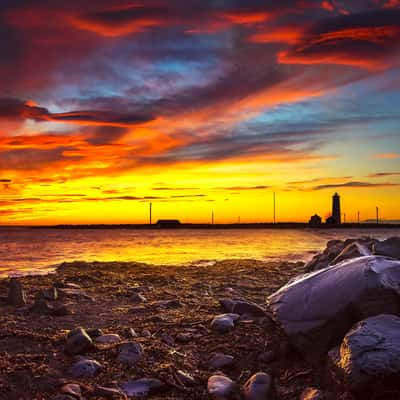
(336,209)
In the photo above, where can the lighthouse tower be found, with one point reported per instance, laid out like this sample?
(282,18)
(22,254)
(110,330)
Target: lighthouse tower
(336,209)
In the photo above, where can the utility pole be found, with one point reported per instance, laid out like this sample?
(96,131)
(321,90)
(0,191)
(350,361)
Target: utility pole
(344,218)
(239,219)
(212,217)
(377,215)
(150,211)
(274,209)
(358,217)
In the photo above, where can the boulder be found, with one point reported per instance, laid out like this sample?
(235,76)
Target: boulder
(258,387)
(352,250)
(389,247)
(85,368)
(16,294)
(130,353)
(142,387)
(221,387)
(370,352)
(79,342)
(318,309)
(224,323)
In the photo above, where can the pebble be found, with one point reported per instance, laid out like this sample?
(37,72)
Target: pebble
(72,389)
(312,394)
(109,338)
(167,339)
(183,338)
(130,353)
(132,333)
(78,342)
(146,333)
(221,387)
(258,387)
(138,298)
(16,294)
(224,323)
(220,360)
(185,378)
(267,356)
(142,387)
(85,367)
(108,393)
(49,294)
(175,303)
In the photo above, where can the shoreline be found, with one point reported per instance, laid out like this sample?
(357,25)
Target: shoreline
(32,342)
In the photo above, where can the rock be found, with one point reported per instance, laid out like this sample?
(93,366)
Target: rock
(146,333)
(167,339)
(389,247)
(142,387)
(74,293)
(130,353)
(138,298)
(60,310)
(40,306)
(16,294)
(63,397)
(322,260)
(183,338)
(108,393)
(224,323)
(370,352)
(242,307)
(108,339)
(353,250)
(317,309)
(185,378)
(220,360)
(258,387)
(94,332)
(72,389)
(78,342)
(132,333)
(49,294)
(313,394)
(85,368)
(267,356)
(175,303)
(221,387)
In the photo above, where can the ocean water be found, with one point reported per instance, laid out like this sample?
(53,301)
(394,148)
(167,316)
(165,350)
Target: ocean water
(35,251)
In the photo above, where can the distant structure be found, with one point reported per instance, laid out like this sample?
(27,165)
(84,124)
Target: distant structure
(168,223)
(315,220)
(335,218)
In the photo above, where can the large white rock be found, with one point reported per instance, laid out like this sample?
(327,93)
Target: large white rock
(316,310)
(370,352)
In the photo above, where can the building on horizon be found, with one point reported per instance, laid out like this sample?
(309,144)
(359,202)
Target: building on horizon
(335,218)
(168,223)
(315,220)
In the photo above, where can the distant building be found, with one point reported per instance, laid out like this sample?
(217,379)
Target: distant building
(315,220)
(335,218)
(168,223)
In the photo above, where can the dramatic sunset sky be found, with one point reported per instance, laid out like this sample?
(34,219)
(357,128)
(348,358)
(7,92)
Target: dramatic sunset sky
(198,105)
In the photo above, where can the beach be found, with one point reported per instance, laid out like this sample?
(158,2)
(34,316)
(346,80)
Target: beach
(175,336)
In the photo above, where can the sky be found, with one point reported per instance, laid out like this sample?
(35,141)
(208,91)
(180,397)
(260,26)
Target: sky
(198,106)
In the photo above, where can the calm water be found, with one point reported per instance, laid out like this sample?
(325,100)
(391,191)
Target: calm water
(40,250)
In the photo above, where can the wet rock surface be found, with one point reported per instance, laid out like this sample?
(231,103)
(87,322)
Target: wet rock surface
(224,323)
(316,310)
(84,367)
(78,342)
(221,387)
(142,387)
(258,387)
(370,352)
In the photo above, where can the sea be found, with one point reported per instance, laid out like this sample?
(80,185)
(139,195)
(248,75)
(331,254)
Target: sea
(40,250)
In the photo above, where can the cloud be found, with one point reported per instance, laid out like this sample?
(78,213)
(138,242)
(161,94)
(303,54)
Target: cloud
(382,174)
(5,180)
(354,185)
(365,40)
(387,156)
(240,188)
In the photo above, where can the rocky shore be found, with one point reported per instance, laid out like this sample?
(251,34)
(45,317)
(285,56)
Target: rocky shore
(240,329)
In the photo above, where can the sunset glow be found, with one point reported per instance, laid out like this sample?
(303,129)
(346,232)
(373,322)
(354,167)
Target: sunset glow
(198,106)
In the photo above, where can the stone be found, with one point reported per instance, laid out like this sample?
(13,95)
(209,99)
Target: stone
(108,393)
(317,309)
(167,339)
(16,294)
(85,368)
(224,323)
(267,356)
(311,393)
(72,389)
(220,360)
(40,306)
(130,353)
(221,387)
(370,352)
(242,307)
(138,298)
(109,338)
(146,333)
(185,378)
(60,310)
(142,387)
(79,342)
(175,303)
(352,250)
(389,247)
(258,387)
(132,333)
(50,294)
(94,332)
(183,338)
